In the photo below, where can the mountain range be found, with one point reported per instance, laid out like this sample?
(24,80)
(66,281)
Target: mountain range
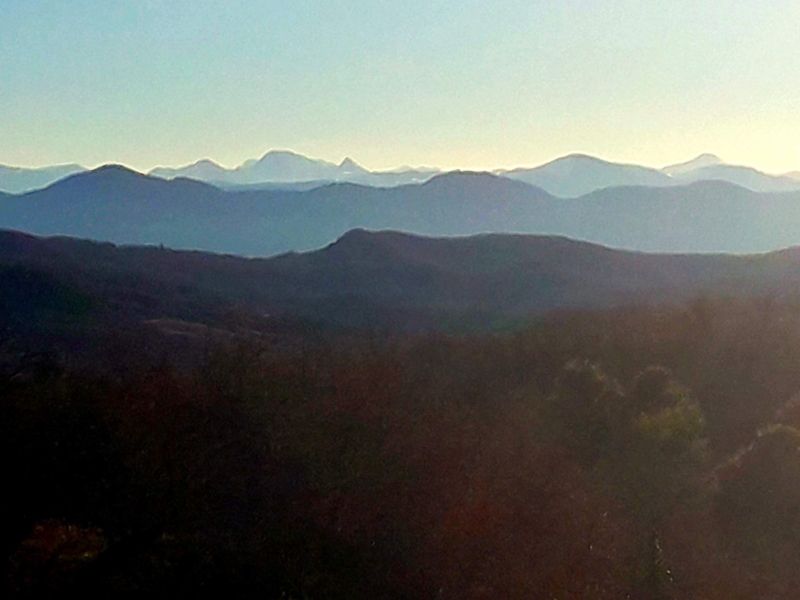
(115,204)
(569,176)
(368,279)
(286,167)
(577,174)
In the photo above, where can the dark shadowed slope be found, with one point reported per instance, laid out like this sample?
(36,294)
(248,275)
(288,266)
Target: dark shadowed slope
(118,205)
(391,279)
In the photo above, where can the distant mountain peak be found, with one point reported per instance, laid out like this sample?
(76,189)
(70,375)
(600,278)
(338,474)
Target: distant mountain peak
(487,183)
(110,169)
(204,169)
(583,159)
(458,174)
(281,167)
(579,156)
(355,234)
(107,176)
(350,166)
(577,174)
(706,159)
(207,162)
(708,156)
(116,174)
(577,159)
(281,152)
(286,156)
(461,176)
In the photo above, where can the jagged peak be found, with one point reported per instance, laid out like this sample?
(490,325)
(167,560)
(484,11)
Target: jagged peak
(348,164)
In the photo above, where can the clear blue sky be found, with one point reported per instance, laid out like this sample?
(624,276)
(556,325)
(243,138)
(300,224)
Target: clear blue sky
(472,84)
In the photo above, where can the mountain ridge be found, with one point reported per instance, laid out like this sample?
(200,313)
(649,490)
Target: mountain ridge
(574,175)
(369,278)
(568,176)
(743,176)
(287,166)
(122,206)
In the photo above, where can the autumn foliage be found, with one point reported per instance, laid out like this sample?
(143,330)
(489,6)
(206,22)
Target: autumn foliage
(623,454)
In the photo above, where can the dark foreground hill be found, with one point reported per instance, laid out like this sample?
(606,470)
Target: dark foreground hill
(385,279)
(171,422)
(118,205)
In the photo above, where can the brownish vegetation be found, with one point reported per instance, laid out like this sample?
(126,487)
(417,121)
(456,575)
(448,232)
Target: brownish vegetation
(640,453)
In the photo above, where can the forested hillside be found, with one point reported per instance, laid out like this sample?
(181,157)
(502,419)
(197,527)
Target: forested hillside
(644,453)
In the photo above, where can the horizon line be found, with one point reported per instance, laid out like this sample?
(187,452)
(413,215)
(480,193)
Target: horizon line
(146,171)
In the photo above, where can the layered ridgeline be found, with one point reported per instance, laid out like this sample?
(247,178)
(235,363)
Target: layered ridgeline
(119,205)
(286,167)
(578,174)
(569,176)
(276,169)
(367,279)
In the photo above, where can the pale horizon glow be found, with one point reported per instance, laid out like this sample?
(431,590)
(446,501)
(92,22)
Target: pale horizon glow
(455,85)
(399,166)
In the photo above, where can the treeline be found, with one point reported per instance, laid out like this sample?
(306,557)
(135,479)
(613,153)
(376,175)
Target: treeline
(640,453)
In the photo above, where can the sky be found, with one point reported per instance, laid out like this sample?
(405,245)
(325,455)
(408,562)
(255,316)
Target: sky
(457,84)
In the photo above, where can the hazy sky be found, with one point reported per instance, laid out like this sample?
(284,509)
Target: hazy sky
(471,84)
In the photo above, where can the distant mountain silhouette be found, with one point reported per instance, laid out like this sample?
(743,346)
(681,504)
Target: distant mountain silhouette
(569,176)
(17,180)
(286,167)
(748,177)
(703,160)
(350,167)
(367,279)
(578,174)
(202,170)
(119,205)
